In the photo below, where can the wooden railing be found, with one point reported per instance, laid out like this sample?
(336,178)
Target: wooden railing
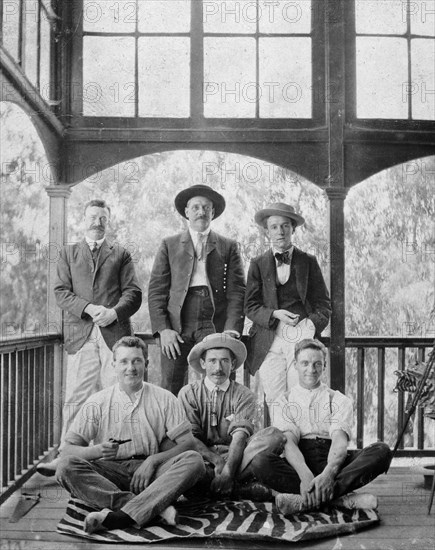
(30,408)
(31,399)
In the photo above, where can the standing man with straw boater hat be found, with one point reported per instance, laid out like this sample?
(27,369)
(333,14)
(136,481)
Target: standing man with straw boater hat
(286,298)
(197,284)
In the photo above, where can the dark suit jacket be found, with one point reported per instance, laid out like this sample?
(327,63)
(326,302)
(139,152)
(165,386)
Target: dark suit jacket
(171,274)
(111,284)
(261,300)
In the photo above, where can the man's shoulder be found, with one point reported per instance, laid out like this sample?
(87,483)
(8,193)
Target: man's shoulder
(242,390)
(192,388)
(300,255)
(160,394)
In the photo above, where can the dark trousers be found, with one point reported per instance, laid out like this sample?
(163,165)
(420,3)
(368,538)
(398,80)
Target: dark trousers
(196,322)
(358,469)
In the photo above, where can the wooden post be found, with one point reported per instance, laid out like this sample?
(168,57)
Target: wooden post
(59,195)
(335,181)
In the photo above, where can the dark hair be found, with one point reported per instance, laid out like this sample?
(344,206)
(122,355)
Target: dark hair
(309,344)
(131,342)
(97,202)
(204,353)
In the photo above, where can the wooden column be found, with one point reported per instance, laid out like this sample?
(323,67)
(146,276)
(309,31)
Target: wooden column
(336,196)
(335,189)
(59,195)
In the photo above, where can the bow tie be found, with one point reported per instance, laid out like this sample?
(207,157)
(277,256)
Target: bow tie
(283,257)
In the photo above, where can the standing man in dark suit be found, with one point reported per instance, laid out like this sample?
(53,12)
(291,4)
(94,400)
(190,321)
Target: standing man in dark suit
(286,298)
(197,284)
(96,287)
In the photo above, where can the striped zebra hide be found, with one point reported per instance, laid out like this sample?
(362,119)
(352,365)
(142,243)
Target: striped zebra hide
(227,519)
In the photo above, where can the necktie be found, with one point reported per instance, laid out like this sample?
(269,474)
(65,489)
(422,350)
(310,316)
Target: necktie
(283,257)
(200,246)
(214,406)
(94,252)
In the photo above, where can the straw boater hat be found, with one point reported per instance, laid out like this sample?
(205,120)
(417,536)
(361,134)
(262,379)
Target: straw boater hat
(184,196)
(213,341)
(278,209)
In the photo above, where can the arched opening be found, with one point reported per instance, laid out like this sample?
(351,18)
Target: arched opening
(390,275)
(141,194)
(25,171)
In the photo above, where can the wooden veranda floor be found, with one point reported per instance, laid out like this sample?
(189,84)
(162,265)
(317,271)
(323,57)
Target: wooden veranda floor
(404,525)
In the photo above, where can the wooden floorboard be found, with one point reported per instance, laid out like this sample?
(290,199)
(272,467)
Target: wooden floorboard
(404,524)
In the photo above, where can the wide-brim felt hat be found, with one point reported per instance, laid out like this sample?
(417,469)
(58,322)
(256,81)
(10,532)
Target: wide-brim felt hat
(200,190)
(278,209)
(213,341)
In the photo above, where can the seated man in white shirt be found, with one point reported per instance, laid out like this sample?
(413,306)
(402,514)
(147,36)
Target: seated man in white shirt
(317,467)
(112,458)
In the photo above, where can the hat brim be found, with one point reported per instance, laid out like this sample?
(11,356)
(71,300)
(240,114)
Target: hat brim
(261,215)
(184,196)
(213,341)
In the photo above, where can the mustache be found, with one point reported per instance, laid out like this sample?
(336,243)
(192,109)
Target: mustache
(218,373)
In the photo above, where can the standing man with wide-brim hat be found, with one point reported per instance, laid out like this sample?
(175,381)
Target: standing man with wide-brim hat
(197,284)
(286,298)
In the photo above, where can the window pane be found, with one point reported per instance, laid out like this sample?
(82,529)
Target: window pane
(164,77)
(381,77)
(422,17)
(286,78)
(282,16)
(230,16)
(423,79)
(380,16)
(164,15)
(230,88)
(31,41)
(11,20)
(108,76)
(44,75)
(107,16)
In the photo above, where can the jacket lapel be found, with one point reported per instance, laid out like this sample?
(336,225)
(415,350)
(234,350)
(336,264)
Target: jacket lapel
(212,242)
(268,267)
(87,255)
(301,274)
(105,252)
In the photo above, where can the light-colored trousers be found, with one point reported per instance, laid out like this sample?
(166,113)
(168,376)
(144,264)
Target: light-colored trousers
(106,483)
(88,371)
(276,374)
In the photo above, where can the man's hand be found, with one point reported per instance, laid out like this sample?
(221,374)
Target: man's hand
(307,493)
(109,450)
(322,487)
(219,464)
(222,484)
(143,475)
(286,317)
(169,342)
(92,310)
(105,317)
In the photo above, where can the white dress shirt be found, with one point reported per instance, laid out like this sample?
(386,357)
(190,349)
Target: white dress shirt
(283,270)
(199,275)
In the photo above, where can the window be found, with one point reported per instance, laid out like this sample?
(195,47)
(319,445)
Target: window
(203,59)
(26,36)
(395,59)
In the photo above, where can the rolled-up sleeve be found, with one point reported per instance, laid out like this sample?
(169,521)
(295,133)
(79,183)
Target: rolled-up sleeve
(341,415)
(284,416)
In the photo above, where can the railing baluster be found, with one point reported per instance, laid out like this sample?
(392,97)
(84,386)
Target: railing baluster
(381,393)
(360,398)
(5,417)
(32,405)
(12,415)
(420,411)
(19,458)
(400,395)
(26,409)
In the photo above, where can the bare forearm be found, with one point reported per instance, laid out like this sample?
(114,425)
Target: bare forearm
(295,458)
(235,452)
(93,452)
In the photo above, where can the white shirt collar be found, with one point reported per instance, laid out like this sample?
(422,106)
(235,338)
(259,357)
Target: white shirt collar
(194,234)
(210,386)
(298,388)
(91,242)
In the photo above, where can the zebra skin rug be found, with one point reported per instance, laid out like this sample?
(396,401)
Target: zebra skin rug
(227,519)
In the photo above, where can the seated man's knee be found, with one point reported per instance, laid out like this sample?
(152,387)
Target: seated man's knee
(261,462)
(195,460)
(67,465)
